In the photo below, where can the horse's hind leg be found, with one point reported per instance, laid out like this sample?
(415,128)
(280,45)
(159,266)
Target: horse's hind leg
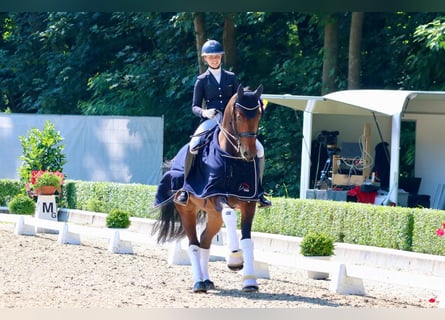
(235,257)
(214,223)
(188,218)
(194,253)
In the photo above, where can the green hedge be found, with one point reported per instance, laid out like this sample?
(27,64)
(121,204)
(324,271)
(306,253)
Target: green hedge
(411,229)
(136,199)
(424,238)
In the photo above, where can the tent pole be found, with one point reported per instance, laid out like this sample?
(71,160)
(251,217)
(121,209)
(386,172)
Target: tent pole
(395,154)
(306,146)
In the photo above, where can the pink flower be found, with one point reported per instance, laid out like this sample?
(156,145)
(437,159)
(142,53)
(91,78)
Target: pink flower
(432,300)
(41,178)
(440,232)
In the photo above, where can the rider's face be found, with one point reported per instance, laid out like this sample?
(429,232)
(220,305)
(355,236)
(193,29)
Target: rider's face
(213,60)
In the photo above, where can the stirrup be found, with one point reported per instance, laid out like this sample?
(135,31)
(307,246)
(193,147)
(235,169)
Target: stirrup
(264,203)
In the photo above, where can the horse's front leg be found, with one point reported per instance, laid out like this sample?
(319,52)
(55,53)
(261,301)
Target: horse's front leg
(230,218)
(246,244)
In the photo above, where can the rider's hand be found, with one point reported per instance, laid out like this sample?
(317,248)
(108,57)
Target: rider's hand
(209,113)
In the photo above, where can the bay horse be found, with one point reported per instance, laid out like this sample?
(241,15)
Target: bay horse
(235,139)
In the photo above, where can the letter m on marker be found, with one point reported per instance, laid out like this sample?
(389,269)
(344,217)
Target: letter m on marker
(47,207)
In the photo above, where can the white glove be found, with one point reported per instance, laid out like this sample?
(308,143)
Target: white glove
(209,113)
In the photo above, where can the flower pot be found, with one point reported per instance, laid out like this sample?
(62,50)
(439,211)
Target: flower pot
(47,190)
(316,275)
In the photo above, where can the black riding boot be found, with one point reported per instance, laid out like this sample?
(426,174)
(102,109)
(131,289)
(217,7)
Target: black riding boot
(264,203)
(183,196)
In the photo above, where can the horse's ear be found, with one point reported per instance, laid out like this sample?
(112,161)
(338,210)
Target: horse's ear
(259,91)
(240,91)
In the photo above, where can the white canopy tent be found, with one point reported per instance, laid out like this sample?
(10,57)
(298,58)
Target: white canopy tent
(393,104)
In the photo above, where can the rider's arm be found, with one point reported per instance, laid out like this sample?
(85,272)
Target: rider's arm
(198,96)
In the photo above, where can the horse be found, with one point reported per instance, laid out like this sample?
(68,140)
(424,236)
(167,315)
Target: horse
(235,143)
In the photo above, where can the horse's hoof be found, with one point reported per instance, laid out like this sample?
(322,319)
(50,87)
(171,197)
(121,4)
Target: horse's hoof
(249,283)
(250,289)
(209,285)
(235,260)
(237,267)
(199,287)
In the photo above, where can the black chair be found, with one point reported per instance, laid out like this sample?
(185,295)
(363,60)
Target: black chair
(412,185)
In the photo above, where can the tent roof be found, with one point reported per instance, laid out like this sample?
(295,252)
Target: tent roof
(364,102)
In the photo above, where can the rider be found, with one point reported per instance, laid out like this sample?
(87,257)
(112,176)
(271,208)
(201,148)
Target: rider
(216,86)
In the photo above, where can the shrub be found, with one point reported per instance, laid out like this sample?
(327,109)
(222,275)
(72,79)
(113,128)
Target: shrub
(118,219)
(21,204)
(8,189)
(317,244)
(42,150)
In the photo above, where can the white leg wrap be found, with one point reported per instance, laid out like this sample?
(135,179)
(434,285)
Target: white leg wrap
(249,277)
(193,252)
(230,220)
(204,255)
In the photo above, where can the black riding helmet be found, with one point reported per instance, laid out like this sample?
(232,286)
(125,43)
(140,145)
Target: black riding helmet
(211,47)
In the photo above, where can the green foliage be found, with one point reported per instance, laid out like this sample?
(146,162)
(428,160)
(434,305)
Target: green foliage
(8,189)
(47,178)
(136,199)
(407,148)
(296,217)
(272,133)
(349,222)
(118,219)
(95,205)
(145,64)
(42,150)
(21,204)
(433,33)
(425,224)
(379,226)
(411,229)
(316,243)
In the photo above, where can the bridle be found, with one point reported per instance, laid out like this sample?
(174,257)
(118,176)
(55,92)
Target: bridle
(235,139)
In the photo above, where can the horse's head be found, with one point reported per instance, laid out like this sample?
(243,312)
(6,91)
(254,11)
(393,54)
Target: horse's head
(246,110)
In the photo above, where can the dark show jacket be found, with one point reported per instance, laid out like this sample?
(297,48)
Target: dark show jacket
(216,95)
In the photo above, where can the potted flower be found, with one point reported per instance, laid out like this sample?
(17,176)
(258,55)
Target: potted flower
(317,245)
(43,182)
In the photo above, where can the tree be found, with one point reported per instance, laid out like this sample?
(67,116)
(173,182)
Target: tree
(198,22)
(229,42)
(355,39)
(330,47)
(432,33)
(145,63)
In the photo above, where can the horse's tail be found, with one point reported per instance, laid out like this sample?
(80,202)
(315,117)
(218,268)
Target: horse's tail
(168,226)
